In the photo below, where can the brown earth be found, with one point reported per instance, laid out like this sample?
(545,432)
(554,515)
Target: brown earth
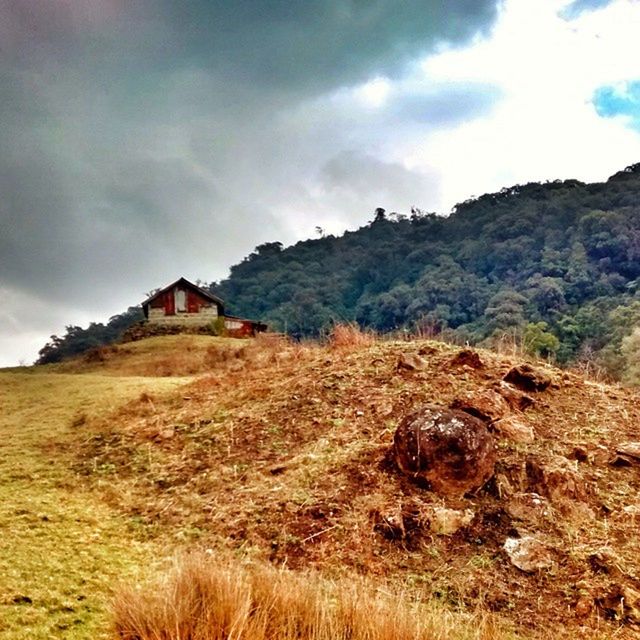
(285,453)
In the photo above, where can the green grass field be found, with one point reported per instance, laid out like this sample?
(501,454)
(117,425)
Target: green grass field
(62,550)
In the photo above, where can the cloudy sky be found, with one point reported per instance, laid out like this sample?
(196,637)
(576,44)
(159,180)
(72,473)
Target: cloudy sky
(142,140)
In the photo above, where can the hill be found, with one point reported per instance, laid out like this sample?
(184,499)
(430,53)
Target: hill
(283,453)
(553,266)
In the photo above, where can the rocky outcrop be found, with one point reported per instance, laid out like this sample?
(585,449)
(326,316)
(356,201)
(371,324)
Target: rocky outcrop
(451,450)
(530,508)
(557,479)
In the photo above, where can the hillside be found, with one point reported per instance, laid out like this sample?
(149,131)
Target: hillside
(282,453)
(562,253)
(553,266)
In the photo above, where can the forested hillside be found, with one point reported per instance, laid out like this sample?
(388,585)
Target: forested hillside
(554,265)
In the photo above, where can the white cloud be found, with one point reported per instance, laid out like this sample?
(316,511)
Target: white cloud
(545,126)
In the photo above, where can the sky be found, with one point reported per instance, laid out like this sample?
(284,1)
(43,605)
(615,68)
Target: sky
(145,140)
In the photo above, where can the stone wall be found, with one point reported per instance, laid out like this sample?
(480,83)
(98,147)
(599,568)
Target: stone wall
(205,317)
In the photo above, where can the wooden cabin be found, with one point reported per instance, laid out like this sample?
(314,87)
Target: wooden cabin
(183,303)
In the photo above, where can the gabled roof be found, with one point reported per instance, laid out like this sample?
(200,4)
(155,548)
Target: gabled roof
(183,282)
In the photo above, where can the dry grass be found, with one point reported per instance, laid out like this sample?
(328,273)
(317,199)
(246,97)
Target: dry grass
(160,356)
(346,337)
(206,600)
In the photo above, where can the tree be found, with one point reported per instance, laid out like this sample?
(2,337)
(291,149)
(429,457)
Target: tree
(540,342)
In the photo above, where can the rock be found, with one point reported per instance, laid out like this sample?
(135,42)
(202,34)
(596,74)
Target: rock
(467,357)
(445,522)
(528,378)
(528,553)
(486,405)
(621,602)
(555,478)
(411,362)
(529,507)
(627,453)
(516,399)
(515,429)
(451,450)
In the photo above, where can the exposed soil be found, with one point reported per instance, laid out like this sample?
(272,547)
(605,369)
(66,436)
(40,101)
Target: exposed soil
(284,452)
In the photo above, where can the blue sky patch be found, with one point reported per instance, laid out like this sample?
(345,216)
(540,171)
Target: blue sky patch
(578,7)
(623,100)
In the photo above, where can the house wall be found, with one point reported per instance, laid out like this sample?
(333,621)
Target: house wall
(205,316)
(198,311)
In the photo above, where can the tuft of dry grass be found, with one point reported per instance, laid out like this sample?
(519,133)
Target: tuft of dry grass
(350,336)
(203,599)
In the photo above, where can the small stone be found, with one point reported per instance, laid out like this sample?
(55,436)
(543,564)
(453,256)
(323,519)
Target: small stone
(410,362)
(486,405)
(515,429)
(445,522)
(528,553)
(528,378)
(580,454)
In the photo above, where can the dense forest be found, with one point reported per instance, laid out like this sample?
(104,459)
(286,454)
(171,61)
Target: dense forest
(554,266)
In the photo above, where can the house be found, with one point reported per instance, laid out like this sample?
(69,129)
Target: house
(183,303)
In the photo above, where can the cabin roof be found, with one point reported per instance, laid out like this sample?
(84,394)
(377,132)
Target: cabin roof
(183,282)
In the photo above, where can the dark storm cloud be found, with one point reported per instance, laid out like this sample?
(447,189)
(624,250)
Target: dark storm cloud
(144,140)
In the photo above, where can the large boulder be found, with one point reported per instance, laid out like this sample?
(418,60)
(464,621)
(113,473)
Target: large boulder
(451,450)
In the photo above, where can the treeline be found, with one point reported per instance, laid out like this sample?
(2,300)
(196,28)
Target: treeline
(555,266)
(77,340)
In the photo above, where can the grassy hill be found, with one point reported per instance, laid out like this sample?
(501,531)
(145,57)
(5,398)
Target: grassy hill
(278,454)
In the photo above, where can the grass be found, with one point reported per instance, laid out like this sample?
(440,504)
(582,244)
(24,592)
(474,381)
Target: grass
(61,547)
(278,452)
(160,356)
(204,599)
